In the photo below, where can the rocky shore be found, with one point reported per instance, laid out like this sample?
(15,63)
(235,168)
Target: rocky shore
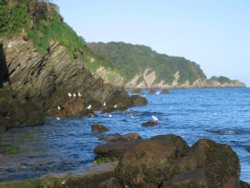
(33,86)
(164,161)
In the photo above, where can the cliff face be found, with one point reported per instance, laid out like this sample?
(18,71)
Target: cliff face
(140,67)
(39,83)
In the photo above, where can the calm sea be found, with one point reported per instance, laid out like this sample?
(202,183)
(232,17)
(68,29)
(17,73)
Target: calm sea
(222,115)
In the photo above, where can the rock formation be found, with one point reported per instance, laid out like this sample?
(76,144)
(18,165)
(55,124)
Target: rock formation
(164,161)
(39,84)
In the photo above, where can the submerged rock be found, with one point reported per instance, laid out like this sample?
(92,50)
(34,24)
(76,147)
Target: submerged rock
(96,129)
(152,91)
(164,91)
(149,123)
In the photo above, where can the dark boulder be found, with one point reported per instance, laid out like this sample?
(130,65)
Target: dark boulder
(244,184)
(15,112)
(164,91)
(138,100)
(96,129)
(168,162)
(148,163)
(149,123)
(216,165)
(120,138)
(152,91)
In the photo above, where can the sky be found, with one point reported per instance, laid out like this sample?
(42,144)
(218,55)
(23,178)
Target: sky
(213,33)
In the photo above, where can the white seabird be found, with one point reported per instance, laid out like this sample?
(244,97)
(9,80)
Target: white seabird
(57,118)
(79,94)
(104,104)
(115,106)
(69,94)
(59,107)
(74,95)
(89,107)
(155,119)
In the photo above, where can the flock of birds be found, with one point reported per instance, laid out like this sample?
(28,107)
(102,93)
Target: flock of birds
(89,107)
(154,118)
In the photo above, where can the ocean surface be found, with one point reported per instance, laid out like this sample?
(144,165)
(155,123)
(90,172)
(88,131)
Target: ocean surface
(222,115)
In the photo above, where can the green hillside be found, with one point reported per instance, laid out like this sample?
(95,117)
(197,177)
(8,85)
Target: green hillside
(41,23)
(133,59)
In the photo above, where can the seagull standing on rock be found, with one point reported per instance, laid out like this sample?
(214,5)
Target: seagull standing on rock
(115,106)
(59,107)
(104,104)
(74,95)
(89,107)
(70,95)
(155,119)
(79,94)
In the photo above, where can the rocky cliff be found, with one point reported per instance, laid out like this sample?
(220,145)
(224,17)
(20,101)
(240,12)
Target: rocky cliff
(141,67)
(43,71)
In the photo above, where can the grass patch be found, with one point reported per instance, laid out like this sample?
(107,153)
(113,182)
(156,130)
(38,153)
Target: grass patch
(11,150)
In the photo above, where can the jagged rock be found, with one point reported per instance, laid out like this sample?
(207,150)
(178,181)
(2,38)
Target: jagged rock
(96,129)
(168,162)
(44,81)
(120,138)
(148,163)
(217,165)
(149,123)
(164,91)
(112,151)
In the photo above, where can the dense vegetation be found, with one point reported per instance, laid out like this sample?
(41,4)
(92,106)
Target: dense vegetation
(133,59)
(14,17)
(41,22)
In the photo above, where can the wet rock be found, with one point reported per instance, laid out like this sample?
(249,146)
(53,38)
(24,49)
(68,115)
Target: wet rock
(164,91)
(96,129)
(208,164)
(149,123)
(244,184)
(148,163)
(15,112)
(93,177)
(112,151)
(120,138)
(112,182)
(248,148)
(139,100)
(168,162)
(152,91)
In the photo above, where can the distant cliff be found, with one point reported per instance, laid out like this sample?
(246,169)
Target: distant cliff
(141,67)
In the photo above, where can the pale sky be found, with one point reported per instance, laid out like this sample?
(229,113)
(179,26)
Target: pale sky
(213,33)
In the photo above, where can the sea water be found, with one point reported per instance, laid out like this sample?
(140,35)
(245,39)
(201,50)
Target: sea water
(222,115)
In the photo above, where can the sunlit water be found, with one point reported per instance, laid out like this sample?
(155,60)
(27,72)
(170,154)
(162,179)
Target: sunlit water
(222,115)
